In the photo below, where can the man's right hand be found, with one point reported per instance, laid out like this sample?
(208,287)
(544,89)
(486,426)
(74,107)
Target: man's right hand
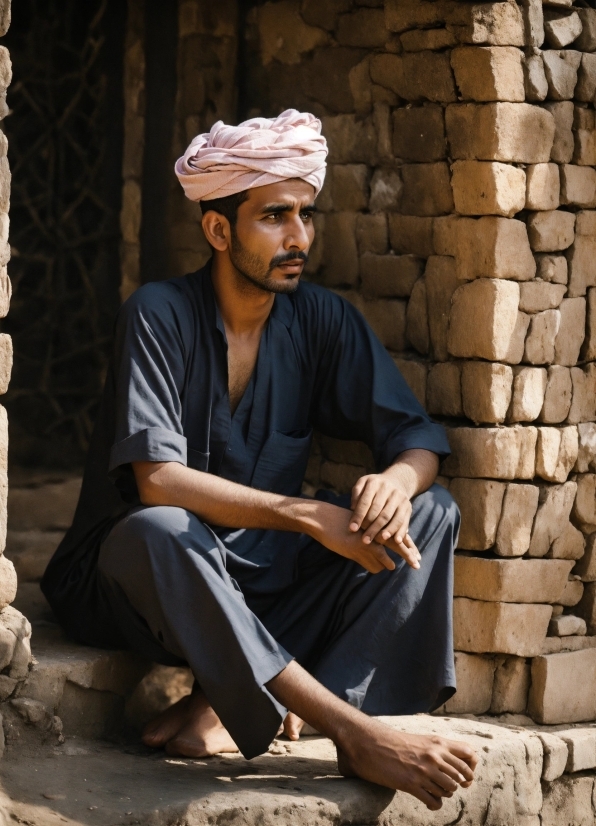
(332,529)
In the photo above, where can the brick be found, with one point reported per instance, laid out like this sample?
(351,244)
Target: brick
(552,516)
(552,268)
(474,676)
(540,341)
(567,625)
(580,260)
(586,607)
(443,390)
(586,565)
(586,457)
(432,39)
(415,373)
(417,318)
(529,385)
(561,29)
(485,188)
(401,15)
(441,283)
(409,234)
(578,186)
(571,331)
(562,689)
(493,452)
(496,24)
(557,396)
(415,75)
(511,686)
(543,187)
(510,580)
(535,82)
(583,402)
(324,14)
(555,758)
(483,318)
(581,744)
(363,27)
(569,545)
(283,34)
(586,79)
(563,144)
(586,42)
(568,800)
(419,133)
(427,189)
(537,296)
(387,318)
(517,516)
(499,627)
(556,452)
(551,230)
(386,189)
(350,140)
(560,69)
(335,65)
(340,258)
(479,501)
(514,132)
(489,73)
(389,276)
(372,234)
(584,508)
(584,153)
(349,186)
(533,16)
(486,391)
(493,247)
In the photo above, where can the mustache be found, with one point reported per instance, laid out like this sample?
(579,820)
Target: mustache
(285,257)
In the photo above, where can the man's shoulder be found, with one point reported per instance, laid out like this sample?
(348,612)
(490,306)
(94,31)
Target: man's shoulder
(169,298)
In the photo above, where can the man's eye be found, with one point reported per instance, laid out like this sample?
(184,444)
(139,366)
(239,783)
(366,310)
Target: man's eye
(306,216)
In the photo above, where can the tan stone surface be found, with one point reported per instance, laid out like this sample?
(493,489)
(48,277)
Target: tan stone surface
(419,133)
(570,335)
(479,501)
(555,756)
(499,627)
(535,82)
(568,800)
(350,139)
(586,79)
(586,42)
(475,676)
(426,189)
(542,334)
(529,385)
(586,566)
(443,389)
(556,452)
(441,282)
(498,24)
(563,144)
(349,186)
(340,257)
(489,73)
(583,404)
(588,351)
(551,230)
(488,188)
(486,391)
(552,516)
(386,190)
(417,318)
(561,29)
(557,397)
(511,686)
(536,296)
(560,68)
(8,582)
(517,517)
(387,317)
(410,234)
(415,75)
(586,458)
(569,545)
(414,372)
(493,452)
(584,509)
(492,247)
(422,39)
(483,319)
(574,591)
(542,186)
(389,276)
(552,268)
(566,625)
(578,185)
(517,132)
(510,580)
(372,234)
(562,689)
(586,607)
(581,258)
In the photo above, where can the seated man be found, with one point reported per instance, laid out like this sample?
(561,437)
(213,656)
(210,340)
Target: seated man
(192,544)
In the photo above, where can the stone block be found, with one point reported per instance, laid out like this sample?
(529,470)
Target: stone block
(492,452)
(568,800)
(409,234)
(563,144)
(349,186)
(364,28)
(427,39)
(551,230)
(555,757)
(5,361)
(586,565)
(529,386)
(389,276)
(583,403)
(580,259)
(542,186)
(586,42)
(350,139)
(485,188)
(511,132)
(562,689)
(8,582)
(479,501)
(533,16)
(483,319)
(561,29)
(283,34)
(535,82)
(415,75)
(588,351)
(574,591)
(569,545)
(586,79)
(499,627)
(586,457)
(372,234)
(492,247)
(340,256)
(552,516)
(566,625)
(537,296)
(414,372)
(419,133)
(387,317)
(417,318)
(578,186)
(584,509)
(486,391)
(511,686)
(426,189)
(570,335)
(556,452)
(585,146)
(510,580)
(324,14)
(515,353)
(586,607)
(557,396)
(540,341)
(474,676)
(561,69)
(495,24)
(517,516)
(552,268)
(443,389)
(386,188)
(335,64)
(489,73)
(441,282)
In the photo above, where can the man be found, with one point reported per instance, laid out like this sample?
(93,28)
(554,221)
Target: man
(191,542)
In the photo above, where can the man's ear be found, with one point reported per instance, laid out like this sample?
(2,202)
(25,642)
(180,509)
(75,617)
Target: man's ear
(217,230)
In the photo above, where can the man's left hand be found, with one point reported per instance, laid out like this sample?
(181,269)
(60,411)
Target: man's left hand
(381,508)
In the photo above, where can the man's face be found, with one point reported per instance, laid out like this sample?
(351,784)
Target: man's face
(273,233)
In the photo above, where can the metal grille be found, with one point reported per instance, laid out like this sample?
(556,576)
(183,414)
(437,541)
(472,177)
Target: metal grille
(64,225)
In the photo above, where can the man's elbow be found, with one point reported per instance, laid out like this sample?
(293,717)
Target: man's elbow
(150,483)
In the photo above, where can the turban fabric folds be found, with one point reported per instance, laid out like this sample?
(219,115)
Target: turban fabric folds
(257,152)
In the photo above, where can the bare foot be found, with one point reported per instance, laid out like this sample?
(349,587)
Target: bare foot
(189,728)
(430,768)
(292,726)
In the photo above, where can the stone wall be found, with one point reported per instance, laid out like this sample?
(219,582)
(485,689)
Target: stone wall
(459,215)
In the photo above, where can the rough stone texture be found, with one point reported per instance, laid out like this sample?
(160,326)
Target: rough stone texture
(479,501)
(517,517)
(561,29)
(563,144)
(552,268)
(500,453)
(500,627)
(474,676)
(483,188)
(417,318)
(567,625)
(551,230)
(443,389)
(551,701)
(542,333)
(426,189)
(536,296)
(491,247)
(503,580)
(586,42)
(578,186)
(556,452)
(571,331)
(584,510)
(557,396)
(441,282)
(483,319)
(556,755)
(511,686)
(586,79)
(529,385)
(411,235)
(586,565)
(561,73)
(419,133)
(486,391)
(569,545)
(552,516)
(542,186)
(389,276)
(568,800)
(415,76)
(535,82)
(489,73)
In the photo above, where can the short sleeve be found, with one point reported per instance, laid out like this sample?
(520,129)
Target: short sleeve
(148,374)
(361,395)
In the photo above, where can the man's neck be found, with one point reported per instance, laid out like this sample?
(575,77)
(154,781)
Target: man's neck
(243,306)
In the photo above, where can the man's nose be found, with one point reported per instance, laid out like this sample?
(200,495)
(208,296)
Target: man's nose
(297,236)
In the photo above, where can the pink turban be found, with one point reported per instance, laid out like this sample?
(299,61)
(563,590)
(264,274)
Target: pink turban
(260,151)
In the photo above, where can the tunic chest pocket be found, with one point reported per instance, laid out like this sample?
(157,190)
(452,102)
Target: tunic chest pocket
(197,460)
(282,464)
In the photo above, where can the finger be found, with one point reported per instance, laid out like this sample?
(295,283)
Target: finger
(401,533)
(436,788)
(409,553)
(357,490)
(462,768)
(377,520)
(431,802)
(381,556)
(452,772)
(362,506)
(409,543)
(399,522)
(377,506)
(464,752)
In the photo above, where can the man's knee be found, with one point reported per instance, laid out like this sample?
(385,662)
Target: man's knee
(437,510)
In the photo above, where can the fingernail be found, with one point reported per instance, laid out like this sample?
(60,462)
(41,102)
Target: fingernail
(353,526)
(385,534)
(366,540)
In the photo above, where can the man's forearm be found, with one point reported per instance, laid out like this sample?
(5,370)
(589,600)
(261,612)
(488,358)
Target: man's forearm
(415,470)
